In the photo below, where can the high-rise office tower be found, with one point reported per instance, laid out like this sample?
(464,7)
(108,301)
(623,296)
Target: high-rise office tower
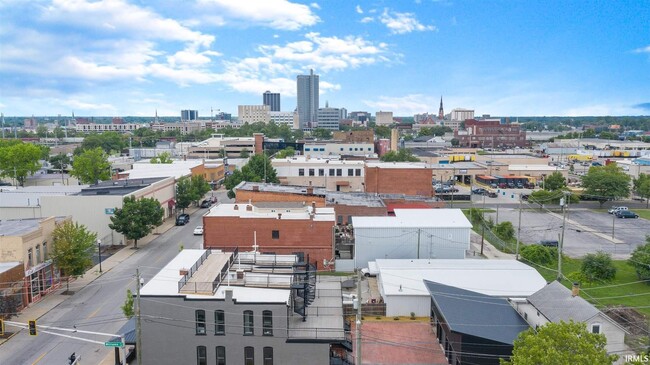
(307,99)
(189,115)
(272,100)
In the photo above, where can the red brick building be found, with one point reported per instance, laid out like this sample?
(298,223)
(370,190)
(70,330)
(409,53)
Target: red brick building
(406,178)
(490,134)
(276,227)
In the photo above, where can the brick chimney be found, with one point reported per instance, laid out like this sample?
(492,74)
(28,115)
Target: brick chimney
(310,190)
(575,291)
(256,188)
(228,293)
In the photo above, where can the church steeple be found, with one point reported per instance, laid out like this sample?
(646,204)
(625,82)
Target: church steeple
(441,111)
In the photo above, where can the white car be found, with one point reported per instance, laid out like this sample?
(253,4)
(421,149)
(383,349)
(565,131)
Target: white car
(615,210)
(198,231)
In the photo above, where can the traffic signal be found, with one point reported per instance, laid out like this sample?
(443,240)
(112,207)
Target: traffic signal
(32,328)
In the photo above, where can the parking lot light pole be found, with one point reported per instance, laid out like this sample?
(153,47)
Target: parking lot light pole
(613,223)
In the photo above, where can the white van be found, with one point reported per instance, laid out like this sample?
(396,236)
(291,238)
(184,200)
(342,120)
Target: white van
(615,210)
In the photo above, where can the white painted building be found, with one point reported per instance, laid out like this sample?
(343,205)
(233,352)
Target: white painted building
(461,114)
(330,173)
(401,282)
(411,234)
(253,114)
(327,148)
(288,118)
(383,118)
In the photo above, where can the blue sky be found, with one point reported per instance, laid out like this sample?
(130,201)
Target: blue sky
(506,58)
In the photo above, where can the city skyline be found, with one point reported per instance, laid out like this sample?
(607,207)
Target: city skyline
(131,58)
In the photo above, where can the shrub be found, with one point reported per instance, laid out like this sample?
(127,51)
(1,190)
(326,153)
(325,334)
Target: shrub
(598,266)
(412,315)
(640,260)
(475,215)
(505,231)
(538,254)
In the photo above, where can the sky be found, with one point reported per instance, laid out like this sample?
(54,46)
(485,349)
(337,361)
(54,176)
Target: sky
(504,58)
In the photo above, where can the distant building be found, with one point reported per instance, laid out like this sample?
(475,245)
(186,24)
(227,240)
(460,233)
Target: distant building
(330,173)
(461,114)
(213,147)
(329,118)
(287,118)
(272,100)
(115,127)
(194,126)
(253,114)
(189,115)
(441,110)
(407,178)
(367,136)
(335,148)
(307,99)
(384,118)
(490,134)
(362,117)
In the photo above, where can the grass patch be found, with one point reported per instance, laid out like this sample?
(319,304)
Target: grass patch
(334,273)
(643,213)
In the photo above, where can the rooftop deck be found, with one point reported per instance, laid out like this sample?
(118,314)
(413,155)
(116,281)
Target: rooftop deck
(324,320)
(202,280)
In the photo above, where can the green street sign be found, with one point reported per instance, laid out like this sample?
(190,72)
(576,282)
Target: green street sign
(113,344)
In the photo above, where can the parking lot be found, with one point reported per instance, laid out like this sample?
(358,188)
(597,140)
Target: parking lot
(587,231)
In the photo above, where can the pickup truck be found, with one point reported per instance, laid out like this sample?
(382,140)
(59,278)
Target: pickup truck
(371,270)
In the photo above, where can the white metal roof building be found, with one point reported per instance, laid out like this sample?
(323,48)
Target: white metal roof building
(401,282)
(411,234)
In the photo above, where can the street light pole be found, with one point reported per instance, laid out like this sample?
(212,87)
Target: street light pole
(99,251)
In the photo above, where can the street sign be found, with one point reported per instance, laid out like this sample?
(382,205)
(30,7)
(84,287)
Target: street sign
(113,344)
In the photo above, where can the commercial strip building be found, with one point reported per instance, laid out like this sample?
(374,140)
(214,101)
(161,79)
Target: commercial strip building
(490,134)
(407,178)
(330,173)
(334,148)
(12,284)
(239,307)
(278,227)
(213,147)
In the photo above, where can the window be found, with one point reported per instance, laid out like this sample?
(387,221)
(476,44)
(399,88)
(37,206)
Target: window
(219,323)
(249,355)
(341,148)
(44,251)
(350,148)
(307,149)
(267,323)
(331,172)
(322,149)
(369,149)
(38,254)
(200,321)
(526,316)
(339,219)
(248,323)
(339,172)
(221,355)
(301,172)
(29,257)
(356,148)
(201,355)
(311,172)
(357,172)
(321,172)
(275,235)
(268,356)
(595,328)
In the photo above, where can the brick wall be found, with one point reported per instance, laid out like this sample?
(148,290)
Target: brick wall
(399,181)
(345,211)
(308,236)
(243,196)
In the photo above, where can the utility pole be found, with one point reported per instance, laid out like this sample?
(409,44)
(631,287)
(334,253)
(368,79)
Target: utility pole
(418,243)
(613,223)
(518,230)
(565,208)
(358,322)
(138,324)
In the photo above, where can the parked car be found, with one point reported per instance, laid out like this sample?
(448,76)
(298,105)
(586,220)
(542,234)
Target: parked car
(615,210)
(492,194)
(182,219)
(198,231)
(479,191)
(503,185)
(549,243)
(371,270)
(206,203)
(525,196)
(493,185)
(626,214)
(520,186)
(511,185)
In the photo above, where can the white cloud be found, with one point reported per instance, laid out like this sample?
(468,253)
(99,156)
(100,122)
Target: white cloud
(401,23)
(86,106)
(358,9)
(403,105)
(315,5)
(278,14)
(367,19)
(642,50)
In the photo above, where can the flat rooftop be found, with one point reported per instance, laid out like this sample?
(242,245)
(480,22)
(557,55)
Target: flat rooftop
(19,227)
(324,318)
(6,266)
(539,167)
(289,211)
(398,165)
(177,169)
(119,187)
(30,196)
(499,278)
(457,166)
(416,218)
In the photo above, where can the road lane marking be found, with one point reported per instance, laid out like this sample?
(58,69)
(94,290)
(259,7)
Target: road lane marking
(39,358)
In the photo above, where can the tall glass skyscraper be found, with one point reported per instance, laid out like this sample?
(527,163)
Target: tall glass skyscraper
(307,100)
(272,100)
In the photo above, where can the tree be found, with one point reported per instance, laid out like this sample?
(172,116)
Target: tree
(555,181)
(287,152)
(60,162)
(18,160)
(72,249)
(642,187)
(607,182)
(199,187)
(598,266)
(321,133)
(403,155)
(184,193)
(108,141)
(164,157)
(505,230)
(258,169)
(455,142)
(41,131)
(137,218)
(128,306)
(382,131)
(538,254)
(91,166)
(244,153)
(640,260)
(560,343)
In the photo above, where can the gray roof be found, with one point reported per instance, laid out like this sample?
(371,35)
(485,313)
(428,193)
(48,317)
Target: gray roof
(128,331)
(477,314)
(279,204)
(119,187)
(556,303)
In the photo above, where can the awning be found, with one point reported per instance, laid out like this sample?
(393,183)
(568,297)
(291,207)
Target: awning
(128,331)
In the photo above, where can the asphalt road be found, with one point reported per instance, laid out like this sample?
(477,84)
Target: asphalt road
(97,306)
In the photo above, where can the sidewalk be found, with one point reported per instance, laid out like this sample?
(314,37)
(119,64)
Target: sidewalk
(489,251)
(53,299)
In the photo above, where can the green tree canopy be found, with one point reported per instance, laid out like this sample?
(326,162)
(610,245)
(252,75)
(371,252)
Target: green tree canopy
(598,266)
(137,218)
(91,166)
(436,130)
(72,249)
(287,152)
(555,181)
(184,193)
(608,182)
(257,168)
(164,158)
(560,343)
(110,142)
(642,187)
(382,131)
(505,230)
(244,153)
(41,130)
(60,161)
(539,254)
(321,133)
(640,260)
(128,308)
(18,160)
(403,155)
(199,187)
